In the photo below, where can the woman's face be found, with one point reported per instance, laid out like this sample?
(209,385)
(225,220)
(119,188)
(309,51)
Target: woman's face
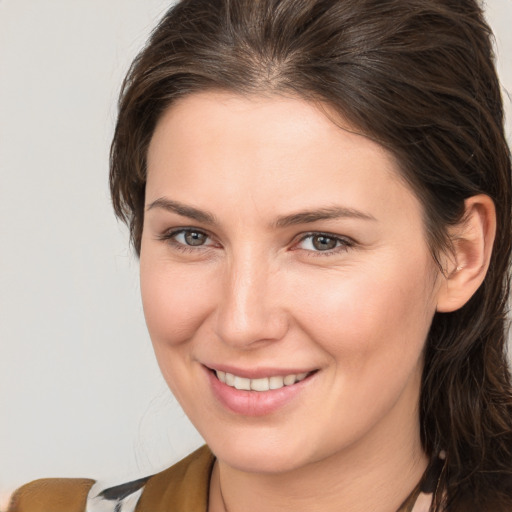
(284,254)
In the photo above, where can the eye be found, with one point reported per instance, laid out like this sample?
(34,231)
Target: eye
(187,239)
(323,242)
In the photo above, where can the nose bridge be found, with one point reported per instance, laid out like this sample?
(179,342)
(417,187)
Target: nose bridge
(248,310)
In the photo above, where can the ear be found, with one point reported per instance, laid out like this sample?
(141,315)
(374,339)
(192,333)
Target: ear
(466,266)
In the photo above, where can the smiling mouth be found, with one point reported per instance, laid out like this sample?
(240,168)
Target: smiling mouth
(262,384)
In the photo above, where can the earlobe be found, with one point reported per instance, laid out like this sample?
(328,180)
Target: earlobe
(466,266)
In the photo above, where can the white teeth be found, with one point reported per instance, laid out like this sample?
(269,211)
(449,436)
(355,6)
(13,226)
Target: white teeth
(241,383)
(259,384)
(263,384)
(289,380)
(230,379)
(276,382)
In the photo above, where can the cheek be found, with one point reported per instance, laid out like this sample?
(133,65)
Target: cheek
(368,318)
(175,302)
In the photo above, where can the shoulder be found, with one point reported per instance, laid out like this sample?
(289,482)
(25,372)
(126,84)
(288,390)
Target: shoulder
(184,486)
(52,494)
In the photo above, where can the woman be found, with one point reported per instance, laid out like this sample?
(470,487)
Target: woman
(320,196)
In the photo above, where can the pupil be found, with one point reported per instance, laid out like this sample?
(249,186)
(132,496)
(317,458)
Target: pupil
(195,238)
(324,243)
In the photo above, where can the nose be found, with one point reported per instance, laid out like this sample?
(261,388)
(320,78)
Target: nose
(250,310)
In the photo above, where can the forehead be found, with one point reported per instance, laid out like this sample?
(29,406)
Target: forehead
(296,152)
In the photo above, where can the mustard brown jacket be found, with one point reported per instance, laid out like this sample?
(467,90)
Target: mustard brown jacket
(183,487)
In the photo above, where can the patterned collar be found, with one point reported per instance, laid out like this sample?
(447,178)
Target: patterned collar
(192,476)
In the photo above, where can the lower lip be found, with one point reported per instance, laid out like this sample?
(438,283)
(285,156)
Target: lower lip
(255,403)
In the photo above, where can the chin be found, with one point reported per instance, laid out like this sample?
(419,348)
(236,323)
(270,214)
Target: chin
(267,456)
(253,461)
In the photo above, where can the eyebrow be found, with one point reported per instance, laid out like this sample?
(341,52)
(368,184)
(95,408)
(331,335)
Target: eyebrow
(334,212)
(305,217)
(183,210)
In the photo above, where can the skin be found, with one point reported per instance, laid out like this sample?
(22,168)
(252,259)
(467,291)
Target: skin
(259,294)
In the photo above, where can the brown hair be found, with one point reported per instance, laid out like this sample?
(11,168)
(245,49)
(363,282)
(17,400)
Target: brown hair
(418,77)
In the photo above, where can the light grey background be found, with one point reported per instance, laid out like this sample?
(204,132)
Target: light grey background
(80,392)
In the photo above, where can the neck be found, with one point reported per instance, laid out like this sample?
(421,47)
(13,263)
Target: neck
(370,475)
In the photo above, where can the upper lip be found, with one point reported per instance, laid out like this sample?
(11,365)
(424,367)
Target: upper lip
(259,372)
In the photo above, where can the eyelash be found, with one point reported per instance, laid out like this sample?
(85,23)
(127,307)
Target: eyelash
(343,244)
(169,237)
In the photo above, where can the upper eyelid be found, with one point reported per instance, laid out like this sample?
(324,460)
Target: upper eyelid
(342,238)
(184,229)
